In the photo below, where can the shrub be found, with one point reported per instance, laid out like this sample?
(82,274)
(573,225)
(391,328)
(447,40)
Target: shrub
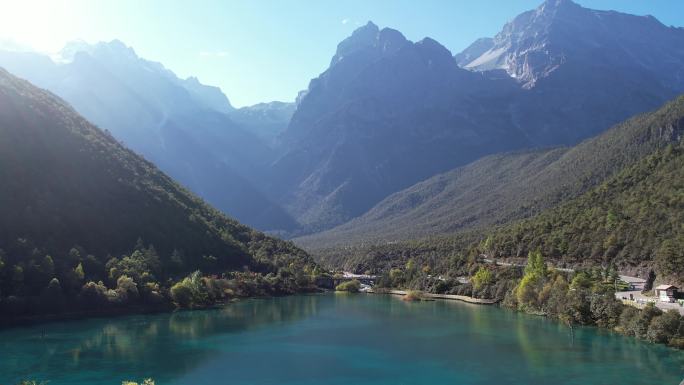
(605,310)
(677,342)
(181,294)
(627,320)
(94,294)
(663,327)
(190,292)
(643,322)
(352,286)
(413,295)
(126,288)
(482,278)
(442,287)
(636,322)
(526,291)
(52,298)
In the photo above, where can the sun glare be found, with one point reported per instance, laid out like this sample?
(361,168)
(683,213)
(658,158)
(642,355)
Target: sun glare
(38,25)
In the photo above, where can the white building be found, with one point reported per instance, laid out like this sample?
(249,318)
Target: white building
(666,293)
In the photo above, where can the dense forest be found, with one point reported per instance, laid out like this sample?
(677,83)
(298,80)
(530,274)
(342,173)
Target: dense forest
(631,218)
(502,188)
(87,224)
(636,217)
(564,262)
(583,296)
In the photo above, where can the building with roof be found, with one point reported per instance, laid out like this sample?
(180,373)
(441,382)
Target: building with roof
(666,293)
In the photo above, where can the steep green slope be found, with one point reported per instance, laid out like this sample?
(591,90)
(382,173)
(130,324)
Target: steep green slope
(634,218)
(634,221)
(71,192)
(505,187)
(184,127)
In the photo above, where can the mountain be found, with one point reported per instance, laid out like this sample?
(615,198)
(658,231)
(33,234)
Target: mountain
(615,200)
(386,114)
(211,97)
(389,113)
(182,126)
(578,61)
(502,188)
(267,120)
(632,220)
(561,34)
(474,51)
(73,198)
(69,183)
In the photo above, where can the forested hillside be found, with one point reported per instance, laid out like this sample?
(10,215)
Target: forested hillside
(77,207)
(386,114)
(631,217)
(184,127)
(389,113)
(502,188)
(635,218)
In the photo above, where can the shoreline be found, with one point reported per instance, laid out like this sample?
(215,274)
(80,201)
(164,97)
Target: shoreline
(38,319)
(478,301)
(453,297)
(115,312)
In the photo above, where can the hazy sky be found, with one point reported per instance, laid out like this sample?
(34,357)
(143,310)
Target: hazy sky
(262,50)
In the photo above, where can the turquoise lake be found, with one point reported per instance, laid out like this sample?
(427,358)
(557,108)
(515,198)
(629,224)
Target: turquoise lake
(333,339)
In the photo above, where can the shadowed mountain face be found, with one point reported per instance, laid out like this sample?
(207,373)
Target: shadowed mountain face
(612,200)
(267,120)
(576,62)
(501,188)
(560,34)
(66,183)
(389,112)
(182,126)
(386,114)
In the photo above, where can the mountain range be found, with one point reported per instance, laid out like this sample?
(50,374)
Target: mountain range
(395,138)
(612,201)
(389,113)
(503,188)
(69,185)
(181,125)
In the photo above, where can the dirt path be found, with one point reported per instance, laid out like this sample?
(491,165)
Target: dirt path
(455,297)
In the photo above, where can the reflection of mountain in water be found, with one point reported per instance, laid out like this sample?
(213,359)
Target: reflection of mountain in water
(134,344)
(332,339)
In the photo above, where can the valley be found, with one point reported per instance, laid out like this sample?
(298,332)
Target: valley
(520,200)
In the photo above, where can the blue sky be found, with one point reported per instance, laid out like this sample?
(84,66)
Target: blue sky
(262,50)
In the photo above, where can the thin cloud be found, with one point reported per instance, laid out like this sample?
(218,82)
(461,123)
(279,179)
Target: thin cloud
(213,54)
(345,21)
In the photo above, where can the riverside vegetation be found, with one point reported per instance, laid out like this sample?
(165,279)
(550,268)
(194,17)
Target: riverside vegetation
(613,198)
(627,216)
(352,286)
(137,280)
(326,331)
(583,297)
(90,227)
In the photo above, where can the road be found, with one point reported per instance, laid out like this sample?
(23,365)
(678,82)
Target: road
(636,299)
(499,263)
(632,297)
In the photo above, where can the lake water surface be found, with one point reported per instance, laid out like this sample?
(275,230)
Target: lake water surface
(333,339)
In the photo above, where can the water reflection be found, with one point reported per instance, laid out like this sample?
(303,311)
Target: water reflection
(166,344)
(333,339)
